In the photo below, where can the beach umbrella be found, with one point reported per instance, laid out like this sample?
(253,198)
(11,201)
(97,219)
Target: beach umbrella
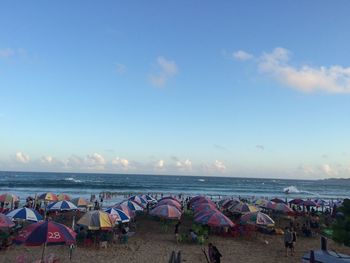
(309,203)
(214,219)
(270,205)
(25,213)
(125,209)
(204,207)
(166,211)
(96,220)
(203,201)
(118,215)
(49,197)
(278,201)
(320,202)
(138,199)
(229,202)
(8,198)
(280,207)
(257,218)
(149,198)
(261,202)
(132,205)
(63,197)
(80,202)
(170,202)
(170,197)
(195,198)
(296,201)
(243,208)
(45,233)
(5,222)
(62,206)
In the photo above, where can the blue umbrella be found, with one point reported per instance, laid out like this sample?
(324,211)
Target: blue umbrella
(62,206)
(138,199)
(118,215)
(132,205)
(27,214)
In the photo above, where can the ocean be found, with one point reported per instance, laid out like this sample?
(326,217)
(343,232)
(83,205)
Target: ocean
(85,184)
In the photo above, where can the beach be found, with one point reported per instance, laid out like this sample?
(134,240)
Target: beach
(151,244)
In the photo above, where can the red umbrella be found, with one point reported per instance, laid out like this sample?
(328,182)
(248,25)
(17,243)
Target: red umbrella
(5,222)
(214,219)
(170,202)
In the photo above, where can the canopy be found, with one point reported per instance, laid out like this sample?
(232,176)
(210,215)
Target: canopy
(48,232)
(96,220)
(5,222)
(214,219)
(63,197)
(80,202)
(166,211)
(257,218)
(25,213)
(62,206)
(50,197)
(118,215)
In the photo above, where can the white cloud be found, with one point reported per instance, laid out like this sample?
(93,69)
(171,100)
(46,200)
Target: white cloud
(121,163)
(168,69)
(305,78)
(185,165)
(159,165)
(22,157)
(7,52)
(120,68)
(260,147)
(46,159)
(242,55)
(219,166)
(95,161)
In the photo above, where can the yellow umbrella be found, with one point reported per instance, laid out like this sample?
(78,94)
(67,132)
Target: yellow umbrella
(96,220)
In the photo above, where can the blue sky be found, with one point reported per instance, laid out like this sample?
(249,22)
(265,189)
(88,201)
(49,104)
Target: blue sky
(236,88)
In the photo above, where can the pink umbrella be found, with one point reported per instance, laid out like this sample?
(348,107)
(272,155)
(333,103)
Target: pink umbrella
(204,207)
(169,197)
(170,202)
(5,222)
(214,219)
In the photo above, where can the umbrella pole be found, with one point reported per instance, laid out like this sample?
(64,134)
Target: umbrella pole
(43,252)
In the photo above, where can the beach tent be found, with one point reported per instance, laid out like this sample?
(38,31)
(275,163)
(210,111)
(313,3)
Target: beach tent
(96,220)
(49,197)
(118,215)
(25,213)
(5,222)
(138,199)
(63,197)
(170,202)
(257,218)
(166,212)
(214,219)
(325,256)
(62,206)
(45,233)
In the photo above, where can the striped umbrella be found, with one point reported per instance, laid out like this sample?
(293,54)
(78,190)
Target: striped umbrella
(166,211)
(228,202)
(170,202)
(8,198)
(243,208)
(5,222)
(80,202)
(169,197)
(125,209)
(138,199)
(257,218)
(214,219)
(132,205)
(96,220)
(25,213)
(203,201)
(118,215)
(196,198)
(50,197)
(204,207)
(62,206)
(63,197)
(149,199)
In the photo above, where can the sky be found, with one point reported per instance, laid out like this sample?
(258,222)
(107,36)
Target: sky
(228,88)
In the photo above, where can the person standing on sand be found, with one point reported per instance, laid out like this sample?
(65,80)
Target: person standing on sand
(288,240)
(177,231)
(214,254)
(294,238)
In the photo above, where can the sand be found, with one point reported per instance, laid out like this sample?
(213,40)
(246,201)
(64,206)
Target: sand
(151,244)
